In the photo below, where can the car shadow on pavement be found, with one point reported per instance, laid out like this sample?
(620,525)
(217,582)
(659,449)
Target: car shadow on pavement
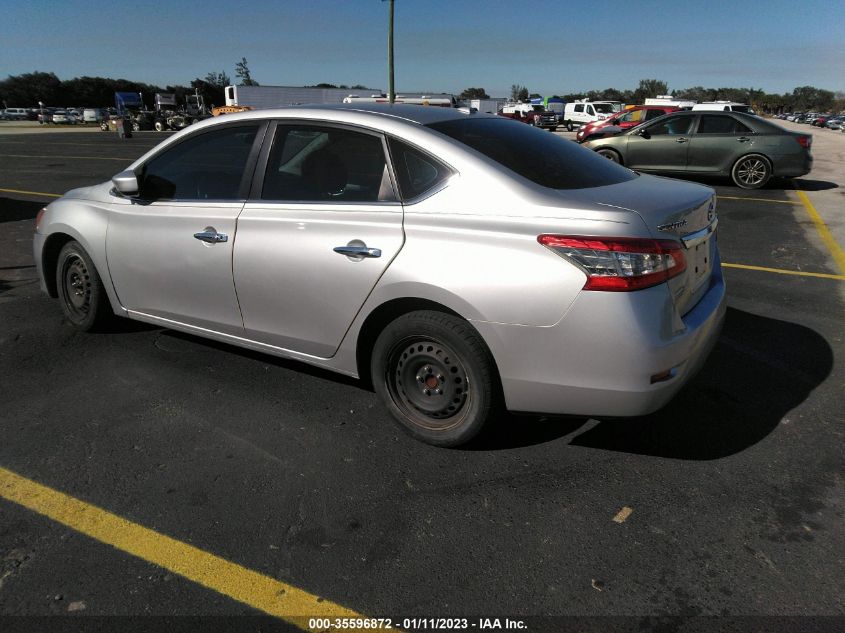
(759,371)
(12,210)
(775,184)
(805,184)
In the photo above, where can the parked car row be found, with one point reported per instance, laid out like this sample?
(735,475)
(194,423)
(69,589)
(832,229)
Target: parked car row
(817,119)
(54,115)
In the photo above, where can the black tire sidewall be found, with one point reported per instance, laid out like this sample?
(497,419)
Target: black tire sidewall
(605,152)
(99,305)
(468,345)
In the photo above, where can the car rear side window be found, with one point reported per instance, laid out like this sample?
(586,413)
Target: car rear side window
(316,163)
(543,158)
(206,166)
(416,171)
(720,124)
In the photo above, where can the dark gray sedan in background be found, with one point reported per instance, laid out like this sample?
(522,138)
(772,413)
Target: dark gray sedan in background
(745,147)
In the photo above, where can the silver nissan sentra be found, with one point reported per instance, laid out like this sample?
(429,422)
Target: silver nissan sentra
(463,262)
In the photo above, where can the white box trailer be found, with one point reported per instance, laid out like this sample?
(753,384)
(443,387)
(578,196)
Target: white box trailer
(263,97)
(669,100)
(491,106)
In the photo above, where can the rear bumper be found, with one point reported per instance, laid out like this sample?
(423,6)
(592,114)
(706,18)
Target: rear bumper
(599,359)
(792,166)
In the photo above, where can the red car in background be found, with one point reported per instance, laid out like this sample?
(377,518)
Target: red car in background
(623,120)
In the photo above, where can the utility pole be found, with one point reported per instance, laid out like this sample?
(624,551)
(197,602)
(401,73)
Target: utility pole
(391,93)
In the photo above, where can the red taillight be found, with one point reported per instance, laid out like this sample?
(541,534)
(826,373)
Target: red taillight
(619,264)
(804,141)
(38,218)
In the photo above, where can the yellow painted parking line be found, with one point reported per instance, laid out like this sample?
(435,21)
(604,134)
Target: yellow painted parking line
(249,587)
(758,199)
(32,193)
(125,160)
(797,273)
(824,232)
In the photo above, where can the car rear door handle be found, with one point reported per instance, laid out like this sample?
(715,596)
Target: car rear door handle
(681,140)
(743,139)
(211,237)
(357,251)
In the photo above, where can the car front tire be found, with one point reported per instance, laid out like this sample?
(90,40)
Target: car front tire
(610,154)
(751,171)
(436,376)
(81,293)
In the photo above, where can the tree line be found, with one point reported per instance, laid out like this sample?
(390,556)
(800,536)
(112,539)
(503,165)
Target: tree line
(801,99)
(28,89)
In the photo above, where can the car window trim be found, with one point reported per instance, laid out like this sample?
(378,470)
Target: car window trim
(257,184)
(246,177)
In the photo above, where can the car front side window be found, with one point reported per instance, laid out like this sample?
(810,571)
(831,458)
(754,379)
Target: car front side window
(207,166)
(673,126)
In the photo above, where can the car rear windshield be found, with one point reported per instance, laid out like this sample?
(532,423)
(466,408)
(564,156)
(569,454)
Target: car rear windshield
(535,154)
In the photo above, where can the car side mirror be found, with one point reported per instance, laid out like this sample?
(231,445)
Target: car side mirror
(126,182)
(644,133)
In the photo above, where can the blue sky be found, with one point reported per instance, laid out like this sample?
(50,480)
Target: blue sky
(440,45)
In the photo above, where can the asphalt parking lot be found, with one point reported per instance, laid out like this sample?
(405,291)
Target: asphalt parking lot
(252,474)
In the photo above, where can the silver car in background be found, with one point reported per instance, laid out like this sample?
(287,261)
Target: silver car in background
(462,262)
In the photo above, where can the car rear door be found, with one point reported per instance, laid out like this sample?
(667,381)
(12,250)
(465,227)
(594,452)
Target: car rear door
(660,146)
(170,249)
(313,243)
(719,139)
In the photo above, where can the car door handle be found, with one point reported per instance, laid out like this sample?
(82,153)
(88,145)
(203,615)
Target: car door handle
(743,139)
(358,251)
(211,237)
(681,140)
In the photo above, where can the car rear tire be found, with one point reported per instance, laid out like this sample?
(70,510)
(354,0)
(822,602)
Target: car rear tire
(751,171)
(81,293)
(436,376)
(569,126)
(159,126)
(610,154)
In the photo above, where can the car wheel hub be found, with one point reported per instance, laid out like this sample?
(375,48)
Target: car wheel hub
(428,381)
(752,172)
(77,286)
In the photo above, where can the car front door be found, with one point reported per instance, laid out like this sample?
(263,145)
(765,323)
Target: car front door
(660,146)
(718,141)
(312,247)
(169,249)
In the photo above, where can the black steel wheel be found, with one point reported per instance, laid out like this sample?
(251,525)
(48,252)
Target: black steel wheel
(436,376)
(81,293)
(751,171)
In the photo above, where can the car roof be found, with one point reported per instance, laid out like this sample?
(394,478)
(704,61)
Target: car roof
(424,115)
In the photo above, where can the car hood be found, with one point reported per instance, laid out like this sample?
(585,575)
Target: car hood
(98,193)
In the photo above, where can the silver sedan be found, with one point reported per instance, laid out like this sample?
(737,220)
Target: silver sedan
(461,262)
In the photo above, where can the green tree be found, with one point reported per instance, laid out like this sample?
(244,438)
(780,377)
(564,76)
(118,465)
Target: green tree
(23,91)
(650,88)
(220,79)
(242,71)
(474,93)
(519,93)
